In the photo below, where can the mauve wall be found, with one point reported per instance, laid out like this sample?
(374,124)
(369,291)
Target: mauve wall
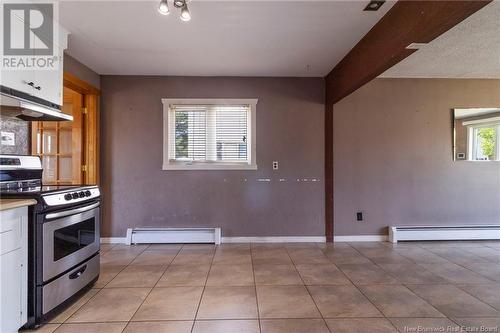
(393,157)
(137,192)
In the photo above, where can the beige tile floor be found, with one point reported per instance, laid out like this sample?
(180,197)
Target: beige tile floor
(291,288)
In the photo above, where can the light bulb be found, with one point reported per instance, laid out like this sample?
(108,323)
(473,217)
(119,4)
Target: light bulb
(185,14)
(163,7)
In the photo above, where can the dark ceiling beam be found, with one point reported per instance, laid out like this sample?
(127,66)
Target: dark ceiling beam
(381,48)
(385,44)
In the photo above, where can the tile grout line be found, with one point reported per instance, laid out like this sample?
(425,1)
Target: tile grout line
(392,275)
(203,290)
(402,283)
(477,298)
(411,291)
(376,307)
(64,321)
(405,285)
(125,266)
(462,265)
(446,316)
(100,289)
(447,281)
(307,289)
(368,299)
(488,260)
(470,270)
(288,251)
(255,288)
(150,291)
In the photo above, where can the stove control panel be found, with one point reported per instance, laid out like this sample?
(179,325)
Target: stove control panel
(77,195)
(72,196)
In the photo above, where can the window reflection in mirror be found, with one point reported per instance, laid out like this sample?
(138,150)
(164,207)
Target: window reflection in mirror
(477,134)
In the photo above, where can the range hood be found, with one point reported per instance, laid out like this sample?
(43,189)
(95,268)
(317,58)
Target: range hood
(19,105)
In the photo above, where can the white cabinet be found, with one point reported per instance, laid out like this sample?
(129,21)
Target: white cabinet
(49,83)
(21,80)
(13,269)
(46,84)
(18,79)
(15,78)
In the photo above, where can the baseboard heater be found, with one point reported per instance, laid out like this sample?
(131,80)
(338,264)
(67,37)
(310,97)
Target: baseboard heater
(173,235)
(458,232)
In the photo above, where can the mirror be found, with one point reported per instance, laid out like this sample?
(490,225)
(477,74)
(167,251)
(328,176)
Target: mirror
(477,134)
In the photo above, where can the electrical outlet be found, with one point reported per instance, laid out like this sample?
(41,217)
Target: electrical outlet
(275,165)
(359,216)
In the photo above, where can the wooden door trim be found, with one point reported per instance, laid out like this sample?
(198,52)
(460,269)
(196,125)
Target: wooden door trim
(72,82)
(329,208)
(91,130)
(92,139)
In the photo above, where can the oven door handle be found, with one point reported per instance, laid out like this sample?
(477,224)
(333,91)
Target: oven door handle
(71,212)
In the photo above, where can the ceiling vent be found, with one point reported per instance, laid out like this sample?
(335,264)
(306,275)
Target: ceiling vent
(374,5)
(416,46)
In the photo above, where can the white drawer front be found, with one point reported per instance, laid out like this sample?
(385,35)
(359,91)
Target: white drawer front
(67,285)
(13,269)
(11,229)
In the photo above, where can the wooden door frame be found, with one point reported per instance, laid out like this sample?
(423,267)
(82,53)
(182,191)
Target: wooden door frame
(91,130)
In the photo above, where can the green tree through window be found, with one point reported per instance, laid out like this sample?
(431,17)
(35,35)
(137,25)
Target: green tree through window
(488,141)
(181,134)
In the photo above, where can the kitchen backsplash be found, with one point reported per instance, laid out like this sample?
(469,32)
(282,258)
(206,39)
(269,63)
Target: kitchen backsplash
(14,135)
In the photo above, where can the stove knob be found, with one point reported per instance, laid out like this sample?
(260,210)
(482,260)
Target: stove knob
(88,193)
(82,194)
(68,197)
(75,195)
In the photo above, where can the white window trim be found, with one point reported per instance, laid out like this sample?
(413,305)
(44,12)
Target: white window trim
(482,122)
(179,165)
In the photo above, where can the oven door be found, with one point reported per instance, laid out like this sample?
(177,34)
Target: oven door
(69,237)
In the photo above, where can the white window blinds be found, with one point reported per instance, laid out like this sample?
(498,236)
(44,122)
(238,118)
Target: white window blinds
(209,133)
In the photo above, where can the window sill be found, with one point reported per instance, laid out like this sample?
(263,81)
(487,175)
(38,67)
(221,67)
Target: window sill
(208,166)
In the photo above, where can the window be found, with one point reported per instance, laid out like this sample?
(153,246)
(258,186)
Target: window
(484,139)
(209,134)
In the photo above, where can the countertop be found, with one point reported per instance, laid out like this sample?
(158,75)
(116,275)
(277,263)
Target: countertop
(15,203)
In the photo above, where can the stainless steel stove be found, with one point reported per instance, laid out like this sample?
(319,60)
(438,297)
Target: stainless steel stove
(63,235)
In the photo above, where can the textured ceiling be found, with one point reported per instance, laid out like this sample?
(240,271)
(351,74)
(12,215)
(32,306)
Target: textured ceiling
(469,50)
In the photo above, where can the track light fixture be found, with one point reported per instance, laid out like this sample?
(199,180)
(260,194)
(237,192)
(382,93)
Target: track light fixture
(185,14)
(181,4)
(163,7)
(178,3)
